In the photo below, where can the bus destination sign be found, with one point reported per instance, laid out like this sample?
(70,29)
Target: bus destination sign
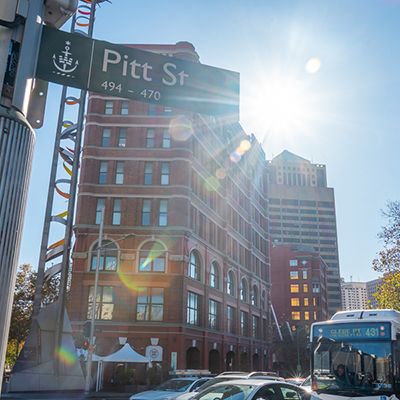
(354,331)
(123,71)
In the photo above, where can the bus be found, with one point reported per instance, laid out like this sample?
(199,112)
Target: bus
(356,354)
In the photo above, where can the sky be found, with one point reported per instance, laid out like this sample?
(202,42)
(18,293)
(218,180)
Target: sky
(318,78)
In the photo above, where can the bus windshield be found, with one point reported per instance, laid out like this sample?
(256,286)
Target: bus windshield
(358,368)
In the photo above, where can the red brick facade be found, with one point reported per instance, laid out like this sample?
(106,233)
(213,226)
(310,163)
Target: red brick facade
(298,279)
(211,210)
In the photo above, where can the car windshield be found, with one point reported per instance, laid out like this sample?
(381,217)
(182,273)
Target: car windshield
(175,385)
(225,392)
(213,382)
(356,368)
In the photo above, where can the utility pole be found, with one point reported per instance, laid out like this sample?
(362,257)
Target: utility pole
(20,29)
(94,305)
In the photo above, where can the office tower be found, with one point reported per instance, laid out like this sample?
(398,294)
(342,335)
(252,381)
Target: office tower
(354,295)
(302,211)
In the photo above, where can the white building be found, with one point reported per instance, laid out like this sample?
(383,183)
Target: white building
(354,295)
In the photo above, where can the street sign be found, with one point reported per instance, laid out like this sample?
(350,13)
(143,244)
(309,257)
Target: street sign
(121,71)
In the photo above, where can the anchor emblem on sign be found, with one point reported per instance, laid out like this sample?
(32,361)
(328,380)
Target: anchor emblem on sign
(64,62)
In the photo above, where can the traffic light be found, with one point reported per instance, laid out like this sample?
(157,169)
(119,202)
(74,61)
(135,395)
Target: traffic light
(86,329)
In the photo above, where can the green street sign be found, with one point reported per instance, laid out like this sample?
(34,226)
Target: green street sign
(121,71)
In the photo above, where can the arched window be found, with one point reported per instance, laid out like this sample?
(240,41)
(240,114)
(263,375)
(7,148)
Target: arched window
(254,296)
(194,265)
(243,290)
(152,257)
(214,275)
(230,283)
(263,305)
(108,256)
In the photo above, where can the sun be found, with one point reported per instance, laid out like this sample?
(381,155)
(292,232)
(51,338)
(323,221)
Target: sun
(279,105)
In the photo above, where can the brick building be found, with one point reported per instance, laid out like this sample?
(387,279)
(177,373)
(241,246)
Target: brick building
(185,257)
(298,285)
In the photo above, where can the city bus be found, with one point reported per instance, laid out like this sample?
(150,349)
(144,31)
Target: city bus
(356,354)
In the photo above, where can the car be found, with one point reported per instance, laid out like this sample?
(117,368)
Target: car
(171,389)
(295,380)
(306,384)
(253,389)
(228,376)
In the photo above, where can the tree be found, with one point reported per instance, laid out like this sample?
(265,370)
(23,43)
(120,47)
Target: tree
(388,293)
(22,308)
(388,260)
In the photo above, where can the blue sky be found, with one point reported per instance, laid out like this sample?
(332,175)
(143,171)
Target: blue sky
(346,115)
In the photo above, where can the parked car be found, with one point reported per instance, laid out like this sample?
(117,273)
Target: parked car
(252,389)
(227,376)
(306,384)
(171,389)
(295,380)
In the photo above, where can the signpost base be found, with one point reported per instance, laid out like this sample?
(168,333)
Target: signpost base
(37,364)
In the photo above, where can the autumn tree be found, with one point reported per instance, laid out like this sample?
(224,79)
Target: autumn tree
(388,260)
(22,308)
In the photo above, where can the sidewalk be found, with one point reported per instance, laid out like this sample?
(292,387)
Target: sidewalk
(65,395)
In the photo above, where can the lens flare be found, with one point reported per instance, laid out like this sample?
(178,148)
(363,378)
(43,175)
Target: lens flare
(66,355)
(212,184)
(313,65)
(180,128)
(235,156)
(244,146)
(220,173)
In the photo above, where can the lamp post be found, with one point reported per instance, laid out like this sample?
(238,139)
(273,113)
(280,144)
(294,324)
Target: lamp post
(94,305)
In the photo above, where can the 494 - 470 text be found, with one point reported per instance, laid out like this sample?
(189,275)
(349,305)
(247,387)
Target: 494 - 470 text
(149,94)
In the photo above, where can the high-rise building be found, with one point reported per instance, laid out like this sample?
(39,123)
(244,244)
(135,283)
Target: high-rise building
(372,288)
(354,295)
(298,285)
(185,256)
(302,211)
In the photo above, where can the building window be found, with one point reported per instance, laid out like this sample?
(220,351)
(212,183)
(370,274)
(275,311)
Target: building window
(103,172)
(296,315)
(315,315)
(146,212)
(314,301)
(230,319)
(255,325)
(305,300)
(293,263)
(116,217)
(230,284)
(108,256)
(109,107)
(263,301)
(152,257)
(254,296)
(294,288)
(243,323)
(100,205)
(213,307)
(295,302)
(150,142)
(306,315)
(163,213)
(106,137)
(119,173)
(315,288)
(104,302)
(214,275)
(152,110)
(194,266)
(166,139)
(148,173)
(164,173)
(305,288)
(167,110)
(192,316)
(305,275)
(122,137)
(150,304)
(124,107)
(294,275)
(243,290)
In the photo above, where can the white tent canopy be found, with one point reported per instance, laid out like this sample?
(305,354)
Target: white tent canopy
(126,354)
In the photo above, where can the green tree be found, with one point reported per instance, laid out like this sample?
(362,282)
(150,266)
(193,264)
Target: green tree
(388,260)
(22,308)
